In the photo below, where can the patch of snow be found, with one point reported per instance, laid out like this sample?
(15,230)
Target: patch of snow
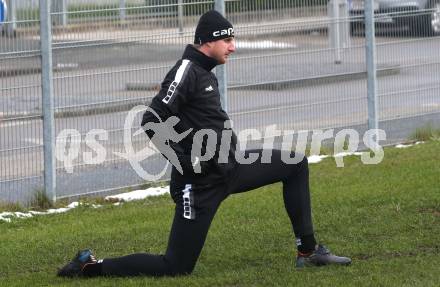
(407,145)
(7,216)
(129,196)
(403,145)
(316,158)
(140,194)
(342,154)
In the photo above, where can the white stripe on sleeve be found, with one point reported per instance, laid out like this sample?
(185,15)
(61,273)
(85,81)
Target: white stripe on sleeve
(179,75)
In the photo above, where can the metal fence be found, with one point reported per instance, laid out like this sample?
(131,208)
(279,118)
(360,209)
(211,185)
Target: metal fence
(299,65)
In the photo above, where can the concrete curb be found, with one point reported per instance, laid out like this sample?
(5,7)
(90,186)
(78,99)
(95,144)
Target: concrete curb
(142,87)
(311,81)
(13,72)
(385,70)
(79,111)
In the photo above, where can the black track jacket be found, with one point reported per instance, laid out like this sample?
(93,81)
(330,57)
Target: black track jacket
(190,92)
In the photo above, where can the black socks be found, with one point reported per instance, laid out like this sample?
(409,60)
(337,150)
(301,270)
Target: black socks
(306,244)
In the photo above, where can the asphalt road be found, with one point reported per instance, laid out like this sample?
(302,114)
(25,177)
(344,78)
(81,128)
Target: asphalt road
(100,75)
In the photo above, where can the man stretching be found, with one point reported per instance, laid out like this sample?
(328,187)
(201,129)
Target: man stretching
(190,93)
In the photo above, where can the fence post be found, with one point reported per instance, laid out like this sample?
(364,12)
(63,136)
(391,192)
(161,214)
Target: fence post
(48,101)
(11,17)
(334,30)
(338,28)
(370,49)
(180,15)
(122,10)
(220,71)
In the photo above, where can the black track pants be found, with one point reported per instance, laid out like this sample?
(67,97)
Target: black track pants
(196,207)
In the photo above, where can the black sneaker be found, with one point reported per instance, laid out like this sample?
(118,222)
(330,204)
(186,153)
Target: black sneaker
(75,267)
(320,257)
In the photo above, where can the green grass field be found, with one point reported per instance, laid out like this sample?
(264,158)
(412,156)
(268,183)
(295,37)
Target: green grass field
(386,217)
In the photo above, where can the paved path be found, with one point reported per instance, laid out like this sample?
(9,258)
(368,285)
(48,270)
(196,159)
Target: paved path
(19,55)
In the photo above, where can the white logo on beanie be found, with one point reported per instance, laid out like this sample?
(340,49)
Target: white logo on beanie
(229,32)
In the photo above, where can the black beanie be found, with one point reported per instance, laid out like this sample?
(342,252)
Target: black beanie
(212,27)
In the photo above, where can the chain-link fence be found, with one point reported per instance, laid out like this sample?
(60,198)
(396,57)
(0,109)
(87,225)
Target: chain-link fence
(299,65)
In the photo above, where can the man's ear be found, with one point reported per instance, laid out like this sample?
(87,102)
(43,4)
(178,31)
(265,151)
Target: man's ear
(208,44)
(206,48)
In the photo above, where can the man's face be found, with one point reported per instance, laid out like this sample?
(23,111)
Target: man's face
(221,49)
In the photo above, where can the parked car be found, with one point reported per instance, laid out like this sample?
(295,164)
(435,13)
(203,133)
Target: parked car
(3,11)
(420,17)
